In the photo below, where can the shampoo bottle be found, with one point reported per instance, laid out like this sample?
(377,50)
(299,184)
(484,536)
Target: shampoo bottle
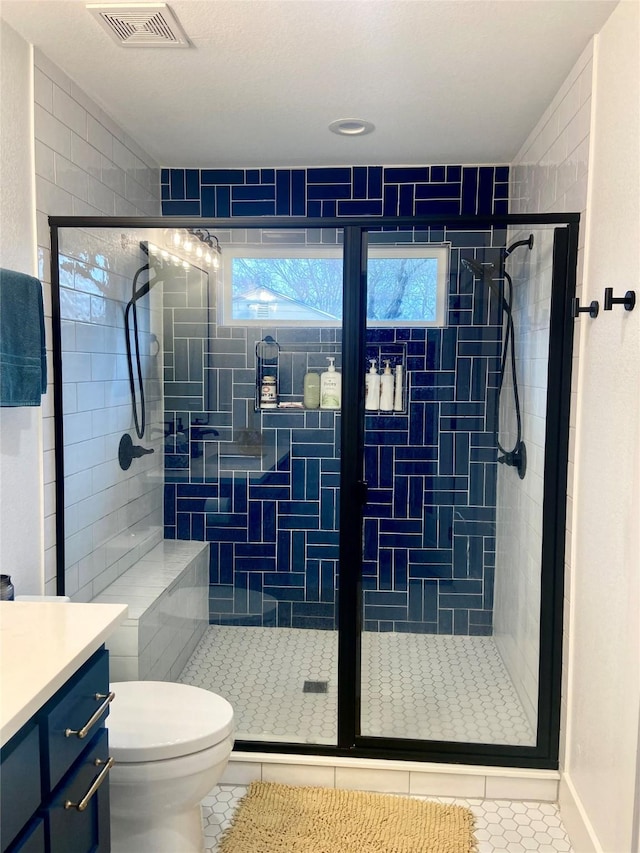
(372,395)
(311,390)
(398,402)
(386,389)
(330,387)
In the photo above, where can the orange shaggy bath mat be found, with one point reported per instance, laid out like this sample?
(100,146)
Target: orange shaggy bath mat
(275,818)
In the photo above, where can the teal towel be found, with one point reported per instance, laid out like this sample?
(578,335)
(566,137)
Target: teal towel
(23,356)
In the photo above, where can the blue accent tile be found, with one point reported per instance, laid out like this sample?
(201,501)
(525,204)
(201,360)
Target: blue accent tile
(192,183)
(360,208)
(485,190)
(252,208)
(327,581)
(208,201)
(427,466)
(360,182)
(461,622)
(164,176)
(390,201)
(438,191)
(469,190)
(298,192)
(222,176)
(253,193)
(328,191)
(329,175)
(181,208)
(445,622)
(374,177)
(223,201)
(406,200)
(437,207)
(165,192)
(408,175)
(177,184)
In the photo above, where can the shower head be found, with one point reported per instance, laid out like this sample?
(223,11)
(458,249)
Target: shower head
(478,269)
(484,272)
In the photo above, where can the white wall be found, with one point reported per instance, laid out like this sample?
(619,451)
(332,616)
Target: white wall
(20,428)
(548,175)
(112,517)
(519,502)
(584,156)
(600,783)
(84,165)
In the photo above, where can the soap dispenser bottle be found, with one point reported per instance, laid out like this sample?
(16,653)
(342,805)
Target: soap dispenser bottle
(372,394)
(398,402)
(330,386)
(386,389)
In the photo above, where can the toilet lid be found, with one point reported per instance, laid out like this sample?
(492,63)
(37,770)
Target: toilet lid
(154,720)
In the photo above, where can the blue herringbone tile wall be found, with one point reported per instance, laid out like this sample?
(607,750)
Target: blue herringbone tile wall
(263,488)
(341,191)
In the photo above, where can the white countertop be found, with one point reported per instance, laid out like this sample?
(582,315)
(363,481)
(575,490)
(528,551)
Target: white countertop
(41,645)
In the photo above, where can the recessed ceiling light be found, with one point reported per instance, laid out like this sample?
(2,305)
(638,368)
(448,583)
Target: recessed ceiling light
(351,127)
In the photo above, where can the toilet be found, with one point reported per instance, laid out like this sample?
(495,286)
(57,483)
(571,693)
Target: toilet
(170,743)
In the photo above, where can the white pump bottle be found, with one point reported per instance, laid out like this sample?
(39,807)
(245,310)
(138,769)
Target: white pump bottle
(372,395)
(330,387)
(386,389)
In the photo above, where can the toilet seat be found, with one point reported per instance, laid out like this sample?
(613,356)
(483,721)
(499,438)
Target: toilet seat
(156,720)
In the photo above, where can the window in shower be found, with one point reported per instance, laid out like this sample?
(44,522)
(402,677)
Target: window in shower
(407,285)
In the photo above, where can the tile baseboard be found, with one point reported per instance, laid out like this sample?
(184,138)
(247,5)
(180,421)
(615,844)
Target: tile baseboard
(397,777)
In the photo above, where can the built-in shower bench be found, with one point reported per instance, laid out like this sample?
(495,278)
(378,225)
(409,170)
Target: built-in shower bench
(167,592)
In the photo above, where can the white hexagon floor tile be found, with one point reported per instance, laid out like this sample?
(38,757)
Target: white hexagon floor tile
(423,686)
(501,825)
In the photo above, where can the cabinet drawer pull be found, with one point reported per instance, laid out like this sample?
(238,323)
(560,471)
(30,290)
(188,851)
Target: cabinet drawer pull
(82,733)
(102,775)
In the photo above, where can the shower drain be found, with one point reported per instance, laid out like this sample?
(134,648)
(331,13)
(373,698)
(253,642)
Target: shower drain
(315,687)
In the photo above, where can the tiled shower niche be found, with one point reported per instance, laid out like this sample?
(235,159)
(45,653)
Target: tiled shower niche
(263,486)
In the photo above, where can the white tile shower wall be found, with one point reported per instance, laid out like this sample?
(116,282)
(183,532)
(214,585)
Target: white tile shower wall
(113,517)
(85,165)
(519,519)
(549,175)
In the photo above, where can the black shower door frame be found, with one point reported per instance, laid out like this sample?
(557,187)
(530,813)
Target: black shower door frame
(350,742)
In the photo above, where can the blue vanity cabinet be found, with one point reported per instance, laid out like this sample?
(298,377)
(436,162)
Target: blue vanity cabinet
(54,771)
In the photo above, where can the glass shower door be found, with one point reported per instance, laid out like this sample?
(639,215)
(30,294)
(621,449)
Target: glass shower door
(264,471)
(455,471)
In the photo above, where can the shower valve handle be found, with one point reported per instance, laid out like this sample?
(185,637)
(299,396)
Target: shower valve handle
(128,451)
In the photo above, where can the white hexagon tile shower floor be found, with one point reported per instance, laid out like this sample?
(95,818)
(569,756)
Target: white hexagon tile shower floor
(501,825)
(421,686)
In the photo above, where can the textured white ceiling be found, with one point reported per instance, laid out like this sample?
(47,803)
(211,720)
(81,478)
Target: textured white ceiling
(455,81)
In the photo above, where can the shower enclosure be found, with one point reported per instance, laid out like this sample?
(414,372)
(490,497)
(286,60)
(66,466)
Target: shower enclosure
(383,581)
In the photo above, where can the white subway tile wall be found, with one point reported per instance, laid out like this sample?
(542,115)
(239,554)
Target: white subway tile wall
(87,165)
(549,175)
(519,521)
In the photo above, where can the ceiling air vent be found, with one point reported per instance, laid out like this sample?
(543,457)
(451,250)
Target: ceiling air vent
(140,24)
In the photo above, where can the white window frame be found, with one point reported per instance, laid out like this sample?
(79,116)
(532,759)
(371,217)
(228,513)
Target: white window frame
(440,251)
